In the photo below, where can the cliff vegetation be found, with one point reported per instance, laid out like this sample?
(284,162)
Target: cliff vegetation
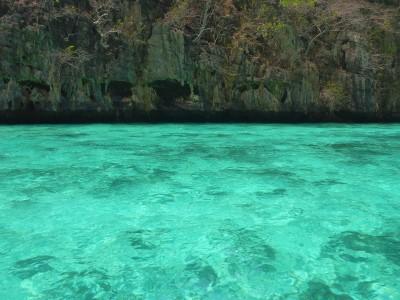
(204,59)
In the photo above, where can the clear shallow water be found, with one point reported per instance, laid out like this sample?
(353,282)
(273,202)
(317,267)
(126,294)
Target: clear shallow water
(200,212)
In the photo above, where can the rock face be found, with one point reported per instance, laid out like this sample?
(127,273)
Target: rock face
(127,60)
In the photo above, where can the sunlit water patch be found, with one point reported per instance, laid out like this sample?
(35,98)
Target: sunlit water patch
(200,212)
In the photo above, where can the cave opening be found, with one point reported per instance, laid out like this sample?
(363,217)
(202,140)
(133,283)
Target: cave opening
(120,89)
(30,106)
(170,90)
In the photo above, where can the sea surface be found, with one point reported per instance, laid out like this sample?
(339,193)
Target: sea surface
(274,212)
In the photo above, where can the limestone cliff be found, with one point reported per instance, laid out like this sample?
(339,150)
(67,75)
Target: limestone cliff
(134,60)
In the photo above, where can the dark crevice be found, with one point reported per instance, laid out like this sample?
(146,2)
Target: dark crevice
(343,59)
(4,9)
(249,85)
(34,84)
(170,90)
(103,88)
(27,106)
(119,89)
(64,93)
(30,106)
(196,90)
(284,96)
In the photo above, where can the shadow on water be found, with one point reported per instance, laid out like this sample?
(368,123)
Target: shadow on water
(352,246)
(67,135)
(328,182)
(199,275)
(273,193)
(142,239)
(247,255)
(87,284)
(28,268)
(320,291)
(360,150)
(22,204)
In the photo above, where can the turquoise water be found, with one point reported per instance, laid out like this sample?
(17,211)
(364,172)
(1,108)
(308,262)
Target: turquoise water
(200,212)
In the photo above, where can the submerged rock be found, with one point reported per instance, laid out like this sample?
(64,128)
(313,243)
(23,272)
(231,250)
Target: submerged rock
(320,291)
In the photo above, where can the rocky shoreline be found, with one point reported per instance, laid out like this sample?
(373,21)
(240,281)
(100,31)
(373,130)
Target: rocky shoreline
(134,61)
(84,117)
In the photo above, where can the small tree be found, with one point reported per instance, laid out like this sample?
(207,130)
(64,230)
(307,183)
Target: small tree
(102,18)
